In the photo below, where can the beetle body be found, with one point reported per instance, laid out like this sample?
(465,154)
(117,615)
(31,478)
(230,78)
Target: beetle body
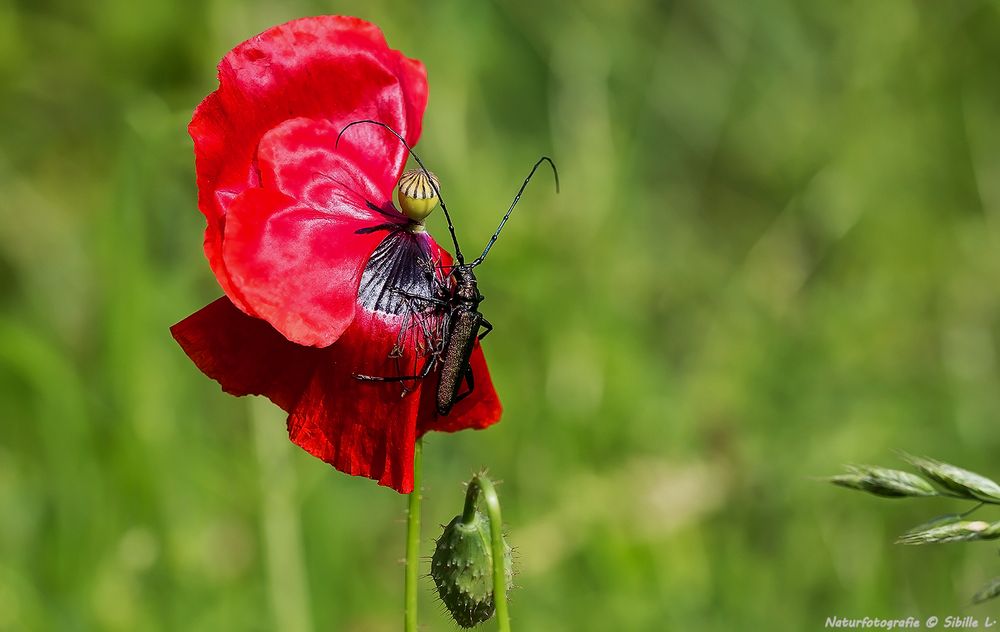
(465,323)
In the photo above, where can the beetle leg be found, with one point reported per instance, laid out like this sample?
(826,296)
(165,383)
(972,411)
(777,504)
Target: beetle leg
(397,352)
(489,327)
(418,297)
(431,359)
(470,382)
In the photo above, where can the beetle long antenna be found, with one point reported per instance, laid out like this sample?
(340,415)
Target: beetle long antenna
(451,227)
(517,197)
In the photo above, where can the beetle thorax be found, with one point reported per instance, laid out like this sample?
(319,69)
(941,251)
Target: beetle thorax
(466,288)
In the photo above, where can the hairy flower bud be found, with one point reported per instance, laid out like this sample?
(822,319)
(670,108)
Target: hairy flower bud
(462,569)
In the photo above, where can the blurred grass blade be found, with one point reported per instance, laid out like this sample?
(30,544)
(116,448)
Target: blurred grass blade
(959,481)
(989,591)
(883,482)
(962,531)
(940,521)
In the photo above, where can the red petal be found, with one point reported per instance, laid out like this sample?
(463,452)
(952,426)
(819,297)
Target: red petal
(297,267)
(334,68)
(478,410)
(244,354)
(362,428)
(299,159)
(213,251)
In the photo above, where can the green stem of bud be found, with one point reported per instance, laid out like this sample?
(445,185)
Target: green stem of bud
(481,485)
(413,545)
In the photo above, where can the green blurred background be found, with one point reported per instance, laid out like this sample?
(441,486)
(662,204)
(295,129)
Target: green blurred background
(776,250)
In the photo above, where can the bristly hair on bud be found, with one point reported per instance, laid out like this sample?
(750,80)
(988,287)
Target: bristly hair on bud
(883,482)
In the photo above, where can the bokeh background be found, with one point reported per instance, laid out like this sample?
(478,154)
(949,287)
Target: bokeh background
(776,251)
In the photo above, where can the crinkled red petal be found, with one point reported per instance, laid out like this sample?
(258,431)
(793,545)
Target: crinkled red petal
(245,354)
(298,267)
(362,428)
(334,68)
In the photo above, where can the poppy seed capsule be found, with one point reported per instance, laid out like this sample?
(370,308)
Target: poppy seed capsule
(417,197)
(462,569)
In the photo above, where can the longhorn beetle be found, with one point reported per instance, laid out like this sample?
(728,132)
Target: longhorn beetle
(460,299)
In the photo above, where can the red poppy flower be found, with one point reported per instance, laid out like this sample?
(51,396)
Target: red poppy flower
(318,267)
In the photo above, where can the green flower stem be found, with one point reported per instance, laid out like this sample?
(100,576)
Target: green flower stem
(480,484)
(413,544)
(974,509)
